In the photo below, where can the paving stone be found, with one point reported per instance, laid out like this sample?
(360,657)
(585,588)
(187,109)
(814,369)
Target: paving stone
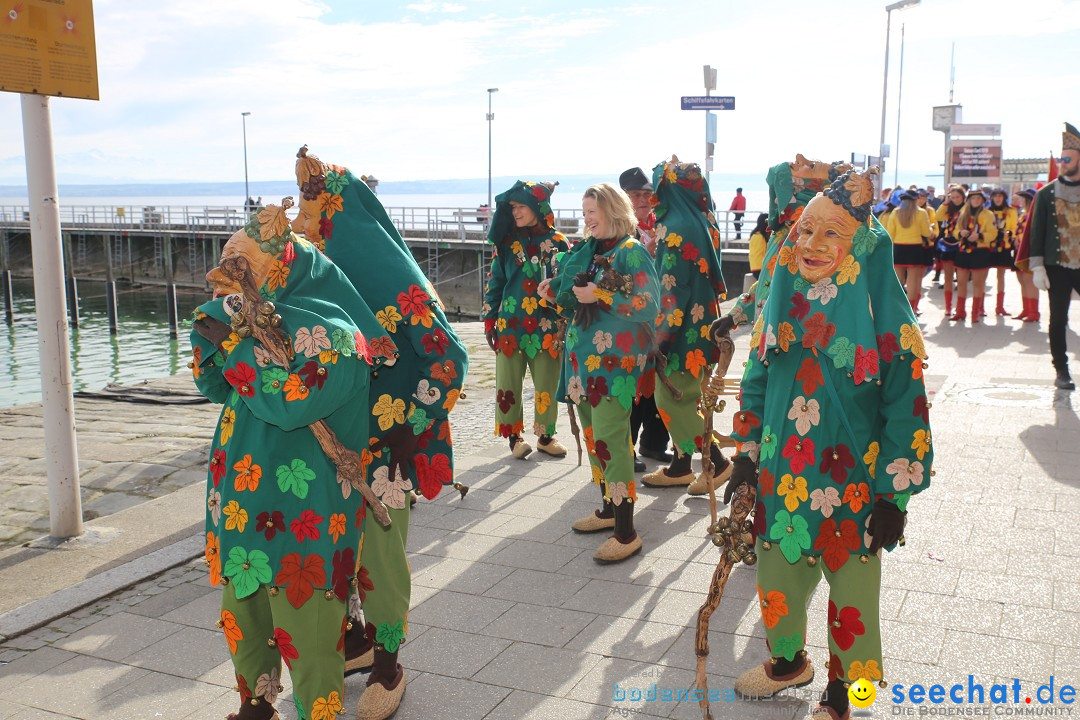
(531,706)
(117,637)
(533,555)
(951,612)
(458,611)
(635,687)
(1008,656)
(539,625)
(202,612)
(533,586)
(191,654)
(157,695)
(435,696)
(625,638)
(619,599)
(169,599)
(459,575)
(452,653)
(535,668)
(86,680)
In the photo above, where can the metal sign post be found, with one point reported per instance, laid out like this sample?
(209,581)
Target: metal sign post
(57,403)
(708,103)
(50,50)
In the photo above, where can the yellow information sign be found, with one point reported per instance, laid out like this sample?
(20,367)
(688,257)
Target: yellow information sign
(47,48)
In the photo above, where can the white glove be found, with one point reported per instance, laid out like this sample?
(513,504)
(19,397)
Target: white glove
(1038,276)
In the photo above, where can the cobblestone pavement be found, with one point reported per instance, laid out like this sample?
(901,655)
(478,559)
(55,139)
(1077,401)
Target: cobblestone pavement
(130,453)
(512,618)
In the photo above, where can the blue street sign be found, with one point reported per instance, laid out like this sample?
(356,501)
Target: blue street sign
(708,102)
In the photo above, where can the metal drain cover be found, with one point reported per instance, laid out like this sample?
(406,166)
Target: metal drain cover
(1008,396)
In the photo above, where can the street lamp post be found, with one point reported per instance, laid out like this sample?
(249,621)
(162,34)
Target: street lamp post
(247,193)
(490,117)
(899,5)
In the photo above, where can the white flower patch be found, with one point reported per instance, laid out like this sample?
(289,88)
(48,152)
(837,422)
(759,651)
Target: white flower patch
(618,493)
(825,500)
(602,340)
(823,290)
(575,389)
(805,413)
(697,312)
(905,473)
(426,393)
(752,449)
(390,492)
(266,686)
(213,504)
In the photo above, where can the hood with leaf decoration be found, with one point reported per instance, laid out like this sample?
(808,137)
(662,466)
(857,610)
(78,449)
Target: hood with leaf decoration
(683,205)
(535,195)
(860,316)
(789,191)
(356,231)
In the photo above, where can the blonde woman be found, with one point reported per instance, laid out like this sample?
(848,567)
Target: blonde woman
(607,287)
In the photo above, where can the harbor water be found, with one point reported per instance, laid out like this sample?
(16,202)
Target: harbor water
(142,349)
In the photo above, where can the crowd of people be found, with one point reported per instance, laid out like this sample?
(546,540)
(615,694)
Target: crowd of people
(338,378)
(964,234)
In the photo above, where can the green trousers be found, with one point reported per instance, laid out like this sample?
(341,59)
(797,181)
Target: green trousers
(383,582)
(682,417)
(264,628)
(509,379)
(854,624)
(607,437)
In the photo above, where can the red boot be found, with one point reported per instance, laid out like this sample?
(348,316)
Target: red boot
(978,310)
(1033,310)
(1023,314)
(961,311)
(948,303)
(1001,304)
(914,306)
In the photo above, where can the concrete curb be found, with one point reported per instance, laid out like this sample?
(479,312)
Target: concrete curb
(41,612)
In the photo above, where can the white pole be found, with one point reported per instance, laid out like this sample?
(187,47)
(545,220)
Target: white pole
(884,99)
(899,107)
(58,406)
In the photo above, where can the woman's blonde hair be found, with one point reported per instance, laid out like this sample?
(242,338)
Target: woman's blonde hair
(617,208)
(906,212)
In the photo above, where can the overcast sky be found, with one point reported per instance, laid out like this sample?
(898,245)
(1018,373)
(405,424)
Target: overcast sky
(585,86)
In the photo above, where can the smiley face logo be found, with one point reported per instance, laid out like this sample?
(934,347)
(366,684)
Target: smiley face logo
(862,693)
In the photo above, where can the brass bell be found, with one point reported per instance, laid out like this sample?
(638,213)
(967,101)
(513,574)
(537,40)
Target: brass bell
(766,545)
(262,321)
(902,541)
(271,642)
(751,558)
(275,321)
(811,560)
(244,331)
(883,684)
(267,308)
(220,623)
(273,591)
(191,366)
(254,701)
(733,556)
(747,526)
(723,523)
(237,319)
(329,594)
(864,559)
(717,540)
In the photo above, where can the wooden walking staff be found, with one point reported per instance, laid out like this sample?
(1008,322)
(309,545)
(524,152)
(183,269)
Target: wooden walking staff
(262,324)
(732,534)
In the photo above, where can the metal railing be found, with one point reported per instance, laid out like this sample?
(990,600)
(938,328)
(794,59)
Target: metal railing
(433,223)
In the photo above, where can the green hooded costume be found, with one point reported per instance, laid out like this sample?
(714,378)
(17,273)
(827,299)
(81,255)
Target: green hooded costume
(688,265)
(281,529)
(525,323)
(787,197)
(417,392)
(834,408)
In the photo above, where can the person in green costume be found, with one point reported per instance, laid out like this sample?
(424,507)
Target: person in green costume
(791,186)
(688,265)
(520,326)
(833,430)
(607,287)
(410,402)
(282,526)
